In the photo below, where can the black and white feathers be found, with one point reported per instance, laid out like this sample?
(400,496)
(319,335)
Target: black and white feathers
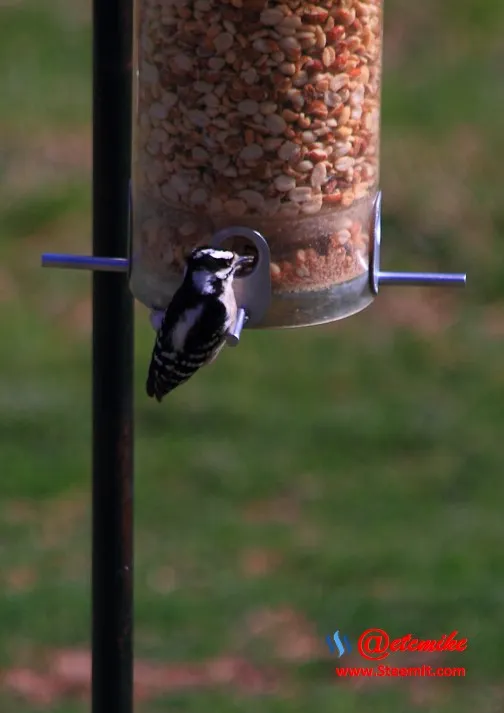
(196,321)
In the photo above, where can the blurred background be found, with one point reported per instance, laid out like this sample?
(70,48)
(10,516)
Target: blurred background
(339,477)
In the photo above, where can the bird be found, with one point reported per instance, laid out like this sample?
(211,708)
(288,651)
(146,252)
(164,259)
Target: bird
(197,320)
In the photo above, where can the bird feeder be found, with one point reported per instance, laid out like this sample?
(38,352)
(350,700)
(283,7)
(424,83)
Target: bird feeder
(246,124)
(256,126)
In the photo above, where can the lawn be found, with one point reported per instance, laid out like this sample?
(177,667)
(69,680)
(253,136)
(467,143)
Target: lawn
(361,486)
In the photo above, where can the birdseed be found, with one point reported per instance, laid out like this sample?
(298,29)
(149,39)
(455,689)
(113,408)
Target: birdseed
(266,112)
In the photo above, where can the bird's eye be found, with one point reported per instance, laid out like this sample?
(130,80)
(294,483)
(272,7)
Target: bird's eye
(211,263)
(217,264)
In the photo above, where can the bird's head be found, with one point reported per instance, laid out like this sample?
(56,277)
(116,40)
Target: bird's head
(211,268)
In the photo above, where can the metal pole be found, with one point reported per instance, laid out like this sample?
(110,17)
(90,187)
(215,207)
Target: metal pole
(112,573)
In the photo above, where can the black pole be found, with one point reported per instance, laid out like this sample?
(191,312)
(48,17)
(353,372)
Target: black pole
(112,550)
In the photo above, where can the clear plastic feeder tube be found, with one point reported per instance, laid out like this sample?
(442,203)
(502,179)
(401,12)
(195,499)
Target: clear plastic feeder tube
(266,115)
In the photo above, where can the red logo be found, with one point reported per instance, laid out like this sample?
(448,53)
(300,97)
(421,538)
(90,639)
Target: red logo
(375,644)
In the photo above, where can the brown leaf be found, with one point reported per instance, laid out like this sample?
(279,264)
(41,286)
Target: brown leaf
(293,637)
(78,318)
(19,512)
(68,674)
(426,313)
(162,580)
(20,579)
(259,562)
(34,687)
(280,510)
(9,290)
(493,321)
(61,516)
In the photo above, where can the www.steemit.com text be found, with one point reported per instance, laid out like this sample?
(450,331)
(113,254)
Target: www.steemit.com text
(391,671)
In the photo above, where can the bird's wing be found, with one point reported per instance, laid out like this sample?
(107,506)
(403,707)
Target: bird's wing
(162,380)
(184,346)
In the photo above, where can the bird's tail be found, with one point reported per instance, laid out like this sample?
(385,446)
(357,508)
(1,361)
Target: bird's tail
(150,386)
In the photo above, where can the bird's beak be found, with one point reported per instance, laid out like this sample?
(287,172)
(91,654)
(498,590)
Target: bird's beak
(244,260)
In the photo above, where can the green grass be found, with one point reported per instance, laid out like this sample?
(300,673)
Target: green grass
(368,470)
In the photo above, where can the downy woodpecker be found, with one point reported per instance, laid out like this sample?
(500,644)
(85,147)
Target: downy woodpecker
(196,321)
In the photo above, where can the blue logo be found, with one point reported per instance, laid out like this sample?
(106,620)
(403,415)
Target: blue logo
(339,645)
